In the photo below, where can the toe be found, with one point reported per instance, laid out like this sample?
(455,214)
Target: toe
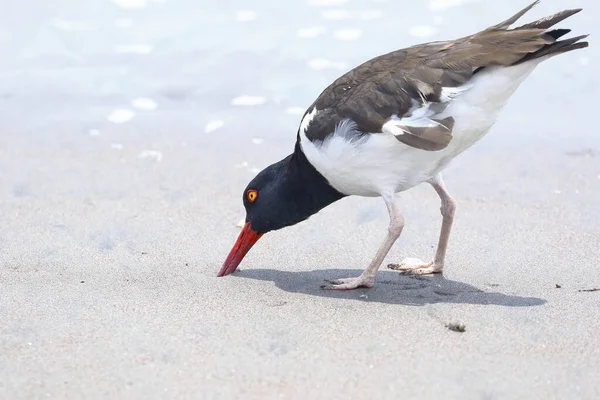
(341,286)
(348,283)
(431,269)
(340,281)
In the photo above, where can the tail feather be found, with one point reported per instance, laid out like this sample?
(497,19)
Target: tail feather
(550,21)
(530,41)
(514,18)
(559,47)
(555,46)
(558,33)
(543,23)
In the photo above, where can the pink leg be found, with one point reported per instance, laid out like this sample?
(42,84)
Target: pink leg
(418,267)
(367,278)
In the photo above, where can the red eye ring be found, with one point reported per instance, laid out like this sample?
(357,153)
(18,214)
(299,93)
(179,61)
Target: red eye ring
(252,195)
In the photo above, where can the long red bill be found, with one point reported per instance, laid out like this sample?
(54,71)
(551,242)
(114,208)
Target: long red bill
(241,247)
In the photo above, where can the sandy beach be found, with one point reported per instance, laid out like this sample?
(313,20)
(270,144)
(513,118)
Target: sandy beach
(129,129)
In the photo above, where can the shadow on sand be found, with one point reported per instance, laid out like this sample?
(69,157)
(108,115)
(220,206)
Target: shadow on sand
(390,288)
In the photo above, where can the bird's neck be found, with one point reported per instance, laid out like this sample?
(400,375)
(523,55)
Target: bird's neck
(312,191)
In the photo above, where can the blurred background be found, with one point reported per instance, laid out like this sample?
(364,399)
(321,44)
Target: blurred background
(106,103)
(129,128)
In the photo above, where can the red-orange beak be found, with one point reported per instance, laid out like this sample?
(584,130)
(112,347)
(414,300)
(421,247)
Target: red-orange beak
(241,247)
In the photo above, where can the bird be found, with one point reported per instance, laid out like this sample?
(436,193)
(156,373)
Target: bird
(392,123)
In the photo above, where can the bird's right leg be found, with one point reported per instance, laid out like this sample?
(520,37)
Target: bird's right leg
(367,278)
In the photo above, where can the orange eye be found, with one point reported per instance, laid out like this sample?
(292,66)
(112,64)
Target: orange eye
(252,195)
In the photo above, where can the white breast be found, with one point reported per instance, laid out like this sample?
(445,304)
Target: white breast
(378,163)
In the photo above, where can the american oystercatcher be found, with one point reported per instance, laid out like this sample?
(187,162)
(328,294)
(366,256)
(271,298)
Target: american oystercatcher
(395,122)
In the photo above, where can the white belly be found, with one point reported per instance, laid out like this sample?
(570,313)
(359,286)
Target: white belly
(379,163)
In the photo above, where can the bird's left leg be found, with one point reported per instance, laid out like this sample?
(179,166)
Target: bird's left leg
(418,267)
(367,278)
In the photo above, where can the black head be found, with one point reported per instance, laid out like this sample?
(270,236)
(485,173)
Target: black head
(274,199)
(281,195)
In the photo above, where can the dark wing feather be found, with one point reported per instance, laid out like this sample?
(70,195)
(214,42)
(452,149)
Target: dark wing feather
(432,138)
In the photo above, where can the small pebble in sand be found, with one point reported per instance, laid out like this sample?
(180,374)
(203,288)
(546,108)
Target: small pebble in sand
(363,296)
(558,286)
(456,327)
(277,303)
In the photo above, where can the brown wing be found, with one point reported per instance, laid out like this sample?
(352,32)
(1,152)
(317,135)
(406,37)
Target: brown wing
(391,83)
